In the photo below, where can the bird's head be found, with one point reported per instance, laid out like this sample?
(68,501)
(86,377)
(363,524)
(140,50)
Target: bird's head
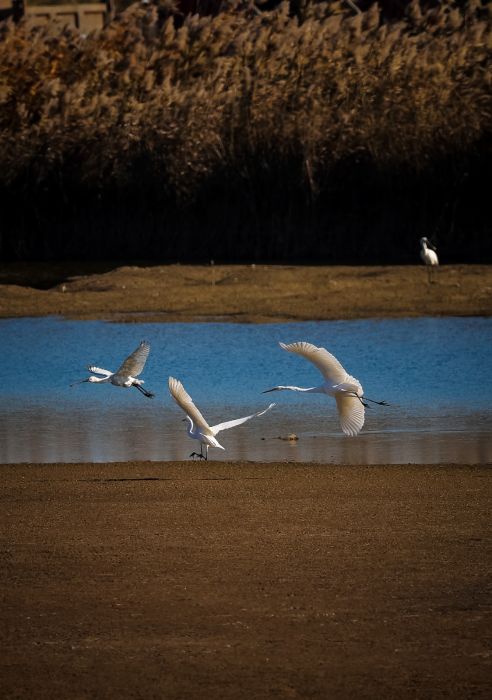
(425,242)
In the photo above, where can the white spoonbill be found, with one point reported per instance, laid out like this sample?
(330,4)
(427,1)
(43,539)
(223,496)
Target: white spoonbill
(428,252)
(346,390)
(127,374)
(198,428)
(429,257)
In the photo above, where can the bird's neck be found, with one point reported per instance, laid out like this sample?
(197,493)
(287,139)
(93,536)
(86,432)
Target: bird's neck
(190,425)
(315,390)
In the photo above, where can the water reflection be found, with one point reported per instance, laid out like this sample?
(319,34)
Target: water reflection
(82,435)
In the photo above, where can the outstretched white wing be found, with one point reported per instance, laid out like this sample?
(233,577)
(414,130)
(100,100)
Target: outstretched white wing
(134,363)
(328,365)
(98,370)
(184,400)
(231,423)
(351,413)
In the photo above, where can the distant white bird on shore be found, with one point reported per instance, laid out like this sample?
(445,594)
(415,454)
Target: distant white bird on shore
(127,374)
(346,390)
(198,428)
(429,256)
(428,252)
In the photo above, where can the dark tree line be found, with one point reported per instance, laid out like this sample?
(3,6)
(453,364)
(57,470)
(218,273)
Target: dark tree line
(249,136)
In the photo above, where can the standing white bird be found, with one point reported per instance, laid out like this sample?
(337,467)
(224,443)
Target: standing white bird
(429,257)
(198,428)
(428,252)
(346,390)
(127,374)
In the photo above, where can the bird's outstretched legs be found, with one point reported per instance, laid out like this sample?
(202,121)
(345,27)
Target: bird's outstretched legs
(143,391)
(379,403)
(366,405)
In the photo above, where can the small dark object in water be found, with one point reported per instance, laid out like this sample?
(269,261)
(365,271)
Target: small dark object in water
(292,437)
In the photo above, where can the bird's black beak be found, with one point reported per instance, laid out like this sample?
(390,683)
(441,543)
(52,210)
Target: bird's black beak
(81,381)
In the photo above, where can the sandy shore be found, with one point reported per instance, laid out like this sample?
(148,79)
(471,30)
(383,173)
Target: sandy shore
(242,293)
(187,580)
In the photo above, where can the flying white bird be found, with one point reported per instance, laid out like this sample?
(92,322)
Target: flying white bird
(127,374)
(346,390)
(198,428)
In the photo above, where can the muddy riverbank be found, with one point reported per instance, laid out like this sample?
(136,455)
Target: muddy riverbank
(241,580)
(251,293)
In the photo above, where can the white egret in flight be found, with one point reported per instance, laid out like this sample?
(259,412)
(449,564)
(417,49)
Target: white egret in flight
(198,428)
(346,390)
(127,374)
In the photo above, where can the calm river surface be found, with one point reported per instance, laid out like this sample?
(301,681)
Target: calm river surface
(435,372)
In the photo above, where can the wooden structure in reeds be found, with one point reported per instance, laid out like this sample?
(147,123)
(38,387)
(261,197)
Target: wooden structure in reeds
(84,16)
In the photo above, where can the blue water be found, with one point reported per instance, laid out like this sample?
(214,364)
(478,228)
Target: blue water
(436,373)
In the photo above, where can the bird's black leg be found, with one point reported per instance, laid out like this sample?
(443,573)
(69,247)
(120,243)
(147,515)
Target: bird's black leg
(143,391)
(366,405)
(379,403)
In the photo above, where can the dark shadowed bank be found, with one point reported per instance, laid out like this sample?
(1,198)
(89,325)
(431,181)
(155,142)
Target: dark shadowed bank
(323,136)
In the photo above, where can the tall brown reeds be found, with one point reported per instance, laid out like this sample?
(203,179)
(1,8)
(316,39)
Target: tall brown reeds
(258,135)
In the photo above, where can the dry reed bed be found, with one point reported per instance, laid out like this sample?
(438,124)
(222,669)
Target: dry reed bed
(241,95)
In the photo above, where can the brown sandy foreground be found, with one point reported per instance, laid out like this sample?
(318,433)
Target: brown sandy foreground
(191,580)
(249,293)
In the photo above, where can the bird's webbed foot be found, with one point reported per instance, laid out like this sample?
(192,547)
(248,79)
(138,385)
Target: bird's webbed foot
(197,454)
